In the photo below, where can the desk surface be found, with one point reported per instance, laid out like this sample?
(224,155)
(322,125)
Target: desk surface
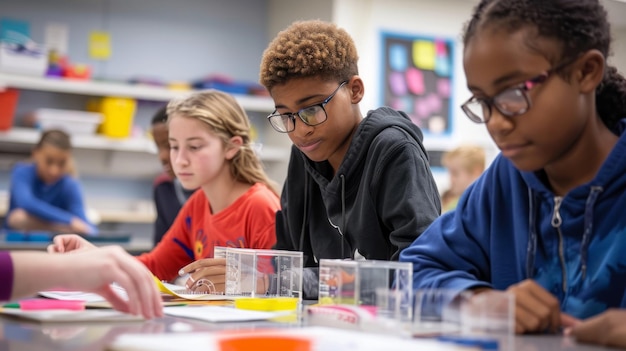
(20,335)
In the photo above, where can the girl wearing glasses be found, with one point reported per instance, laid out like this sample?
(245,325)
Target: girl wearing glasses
(356,187)
(235,205)
(546,221)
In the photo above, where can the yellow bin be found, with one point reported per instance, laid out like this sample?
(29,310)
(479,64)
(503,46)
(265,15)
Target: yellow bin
(118,115)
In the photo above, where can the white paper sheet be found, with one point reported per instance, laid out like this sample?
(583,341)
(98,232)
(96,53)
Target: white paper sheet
(50,316)
(217,314)
(81,295)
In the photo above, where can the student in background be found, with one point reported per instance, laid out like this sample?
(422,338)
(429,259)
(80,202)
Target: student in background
(356,187)
(169,195)
(210,149)
(25,273)
(44,196)
(464,165)
(546,221)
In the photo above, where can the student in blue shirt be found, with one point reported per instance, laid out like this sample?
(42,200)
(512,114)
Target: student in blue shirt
(546,220)
(43,194)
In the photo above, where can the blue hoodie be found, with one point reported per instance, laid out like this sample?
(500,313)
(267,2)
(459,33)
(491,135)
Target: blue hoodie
(509,227)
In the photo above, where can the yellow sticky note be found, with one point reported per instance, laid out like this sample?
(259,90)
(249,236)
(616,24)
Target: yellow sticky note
(99,45)
(424,54)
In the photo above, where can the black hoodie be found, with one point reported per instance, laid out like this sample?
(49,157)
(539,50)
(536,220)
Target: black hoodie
(381,199)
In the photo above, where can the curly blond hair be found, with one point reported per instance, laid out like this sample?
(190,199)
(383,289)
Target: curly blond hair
(309,49)
(223,115)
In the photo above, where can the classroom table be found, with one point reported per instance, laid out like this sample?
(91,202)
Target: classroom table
(21,335)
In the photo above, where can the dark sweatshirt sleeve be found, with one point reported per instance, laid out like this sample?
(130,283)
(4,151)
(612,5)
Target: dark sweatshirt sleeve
(291,207)
(24,198)
(407,196)
(6,276)
(160,225)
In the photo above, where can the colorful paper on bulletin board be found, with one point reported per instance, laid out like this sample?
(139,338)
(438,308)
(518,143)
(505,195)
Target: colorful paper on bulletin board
(99,45)
(418,79)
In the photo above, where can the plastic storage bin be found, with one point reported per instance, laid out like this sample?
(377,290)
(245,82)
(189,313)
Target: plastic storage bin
(72,121)
(251,272)
(8,102)
(118,115)
(22,59)
(357,282)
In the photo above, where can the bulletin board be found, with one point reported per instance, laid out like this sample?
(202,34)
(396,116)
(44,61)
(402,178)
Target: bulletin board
(418,79)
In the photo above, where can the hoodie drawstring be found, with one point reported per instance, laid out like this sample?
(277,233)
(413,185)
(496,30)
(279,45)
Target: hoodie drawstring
(591,201)
(343,210)
(588,228)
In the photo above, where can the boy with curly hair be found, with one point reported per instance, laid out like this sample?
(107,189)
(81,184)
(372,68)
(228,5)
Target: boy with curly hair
(356,187)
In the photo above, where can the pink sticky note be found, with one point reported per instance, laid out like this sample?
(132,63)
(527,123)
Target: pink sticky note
(415,81)
(443,87)
(397,84)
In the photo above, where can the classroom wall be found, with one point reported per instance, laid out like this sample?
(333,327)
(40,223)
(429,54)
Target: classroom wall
(164,39)
(281,13)
(618,59)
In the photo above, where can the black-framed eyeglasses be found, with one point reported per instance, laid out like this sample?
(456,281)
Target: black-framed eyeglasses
(510,102)
(310,115)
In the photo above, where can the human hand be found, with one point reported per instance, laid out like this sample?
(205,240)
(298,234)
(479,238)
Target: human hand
(100,268)
(607,329)
(536,310)
(206,275)
(69,242)
(77,225)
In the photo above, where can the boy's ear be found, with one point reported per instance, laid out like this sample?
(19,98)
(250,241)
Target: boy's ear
(590,71)
(357,89)
(233,147)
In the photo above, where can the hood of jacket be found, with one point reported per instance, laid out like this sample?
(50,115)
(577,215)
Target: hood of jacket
(352,164)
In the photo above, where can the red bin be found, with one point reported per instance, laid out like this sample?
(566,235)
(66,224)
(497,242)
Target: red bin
(8,103)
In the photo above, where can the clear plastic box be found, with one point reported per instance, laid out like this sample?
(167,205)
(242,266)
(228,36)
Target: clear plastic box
(257,273)
(357,282)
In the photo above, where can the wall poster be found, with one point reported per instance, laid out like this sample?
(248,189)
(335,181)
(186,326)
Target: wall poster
(417,79)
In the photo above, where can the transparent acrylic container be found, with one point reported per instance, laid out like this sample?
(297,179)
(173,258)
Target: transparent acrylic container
(259,273)
(357,282)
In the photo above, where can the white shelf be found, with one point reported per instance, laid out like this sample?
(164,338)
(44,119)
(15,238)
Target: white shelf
(29,136)
(101,88)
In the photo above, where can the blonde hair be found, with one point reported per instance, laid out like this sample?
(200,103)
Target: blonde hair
(226,119)
(309,49)
(472,157)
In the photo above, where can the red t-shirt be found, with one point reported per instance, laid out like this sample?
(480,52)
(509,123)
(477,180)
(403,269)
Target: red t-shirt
(249,222)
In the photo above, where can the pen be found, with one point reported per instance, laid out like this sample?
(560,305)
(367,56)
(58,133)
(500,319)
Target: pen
(47,304)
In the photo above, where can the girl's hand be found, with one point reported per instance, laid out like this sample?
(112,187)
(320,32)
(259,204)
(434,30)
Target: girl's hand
(608,329)
(536,310)
(69,242)
(206,275)
(98,269)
